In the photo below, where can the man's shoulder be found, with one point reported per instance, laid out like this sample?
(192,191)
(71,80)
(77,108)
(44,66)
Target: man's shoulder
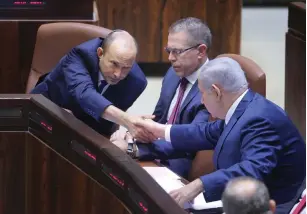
(90,45)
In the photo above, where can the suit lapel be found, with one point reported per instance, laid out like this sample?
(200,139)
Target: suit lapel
(192,93)
(233,120)
(170,93)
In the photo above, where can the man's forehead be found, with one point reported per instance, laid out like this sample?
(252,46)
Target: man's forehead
(177,40)
(124,59)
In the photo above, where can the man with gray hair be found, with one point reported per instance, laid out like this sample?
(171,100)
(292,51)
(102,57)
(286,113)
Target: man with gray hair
(246,195)
(254,137)
(180,100)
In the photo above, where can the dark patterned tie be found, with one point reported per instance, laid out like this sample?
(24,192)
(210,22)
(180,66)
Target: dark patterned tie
(183,85)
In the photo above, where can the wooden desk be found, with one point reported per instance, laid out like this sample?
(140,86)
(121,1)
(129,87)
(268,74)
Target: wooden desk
(50,162)
(295,79)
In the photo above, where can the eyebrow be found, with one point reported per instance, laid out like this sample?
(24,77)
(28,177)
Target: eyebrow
(121,64)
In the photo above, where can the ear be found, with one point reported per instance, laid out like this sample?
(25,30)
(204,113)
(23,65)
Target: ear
(202,50)
(272,206)
(217,92)
(99,52)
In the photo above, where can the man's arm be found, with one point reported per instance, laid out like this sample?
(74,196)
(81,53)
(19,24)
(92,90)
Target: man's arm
(161,149)
(82,89)
(195,137)
(259,156)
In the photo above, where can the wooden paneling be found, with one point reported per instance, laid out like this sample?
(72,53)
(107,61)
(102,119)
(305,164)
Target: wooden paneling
(61,188)
(148,22)
(143,19)
(12,171)
(295,72)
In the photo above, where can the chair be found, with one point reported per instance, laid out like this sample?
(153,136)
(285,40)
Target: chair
(203,161)
(53,41)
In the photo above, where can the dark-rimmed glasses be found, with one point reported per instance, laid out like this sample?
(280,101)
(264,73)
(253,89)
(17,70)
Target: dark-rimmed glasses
(176,51)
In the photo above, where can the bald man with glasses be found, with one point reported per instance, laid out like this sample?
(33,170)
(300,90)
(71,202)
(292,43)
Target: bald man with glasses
(188,42)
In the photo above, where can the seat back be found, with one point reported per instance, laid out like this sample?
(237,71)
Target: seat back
(53,41)
(203,161)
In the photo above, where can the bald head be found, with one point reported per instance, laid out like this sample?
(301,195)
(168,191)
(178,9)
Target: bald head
(246,195)
(117,56)
(120,40)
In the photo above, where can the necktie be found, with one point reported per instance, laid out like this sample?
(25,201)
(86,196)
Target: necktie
(183,85)
(103,84)
(300,206)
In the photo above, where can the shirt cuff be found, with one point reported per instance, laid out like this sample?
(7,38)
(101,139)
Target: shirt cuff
(168,133)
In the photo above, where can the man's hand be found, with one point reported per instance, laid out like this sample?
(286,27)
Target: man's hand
(118,135)
(138,132)
(188,192)
(157,130)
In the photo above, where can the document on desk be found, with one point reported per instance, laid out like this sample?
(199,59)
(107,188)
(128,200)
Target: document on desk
(169,181)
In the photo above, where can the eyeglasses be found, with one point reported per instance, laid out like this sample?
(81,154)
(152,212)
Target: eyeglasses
(177,52)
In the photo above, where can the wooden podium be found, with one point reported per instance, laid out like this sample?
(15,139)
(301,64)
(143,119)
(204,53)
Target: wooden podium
(52,163)
(295,80)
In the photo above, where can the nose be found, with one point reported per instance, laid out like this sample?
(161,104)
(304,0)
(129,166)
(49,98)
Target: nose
(171,57)
(117,73)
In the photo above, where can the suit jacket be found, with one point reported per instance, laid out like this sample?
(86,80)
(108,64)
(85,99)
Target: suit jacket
(73,84)
(259,141)
(191,111)
(287,207)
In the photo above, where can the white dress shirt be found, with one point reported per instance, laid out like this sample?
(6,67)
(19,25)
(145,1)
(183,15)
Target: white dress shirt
(304,209)
(100,78)
(229,114)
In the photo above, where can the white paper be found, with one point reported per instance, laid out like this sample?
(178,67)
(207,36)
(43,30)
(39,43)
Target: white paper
(161,172)
(169,181)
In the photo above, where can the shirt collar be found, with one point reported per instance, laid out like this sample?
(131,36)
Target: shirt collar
(194,76)
(100,77)
(233,107)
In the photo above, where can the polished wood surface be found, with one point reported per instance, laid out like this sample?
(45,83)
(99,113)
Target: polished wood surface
(295,71)
(50,162)
(148,22)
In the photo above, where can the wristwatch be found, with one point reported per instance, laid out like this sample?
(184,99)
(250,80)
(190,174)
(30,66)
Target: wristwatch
(131,150)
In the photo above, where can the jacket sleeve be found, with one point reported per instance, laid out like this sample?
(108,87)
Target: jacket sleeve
(81,86)
(197,136)
(259,156)
(159,149)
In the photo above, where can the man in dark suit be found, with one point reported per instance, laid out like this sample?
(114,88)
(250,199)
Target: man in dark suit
(297,205)
(256,137)
(97,81)
(179,101)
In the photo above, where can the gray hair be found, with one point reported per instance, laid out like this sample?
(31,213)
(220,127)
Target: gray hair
(253,199)
(114,34)
(198,31)
(225,72)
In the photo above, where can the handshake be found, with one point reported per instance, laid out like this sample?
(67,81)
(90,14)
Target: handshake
(141,128)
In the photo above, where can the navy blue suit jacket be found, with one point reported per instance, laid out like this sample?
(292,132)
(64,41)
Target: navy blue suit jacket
(73,84)
(191,111)
(259,141)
